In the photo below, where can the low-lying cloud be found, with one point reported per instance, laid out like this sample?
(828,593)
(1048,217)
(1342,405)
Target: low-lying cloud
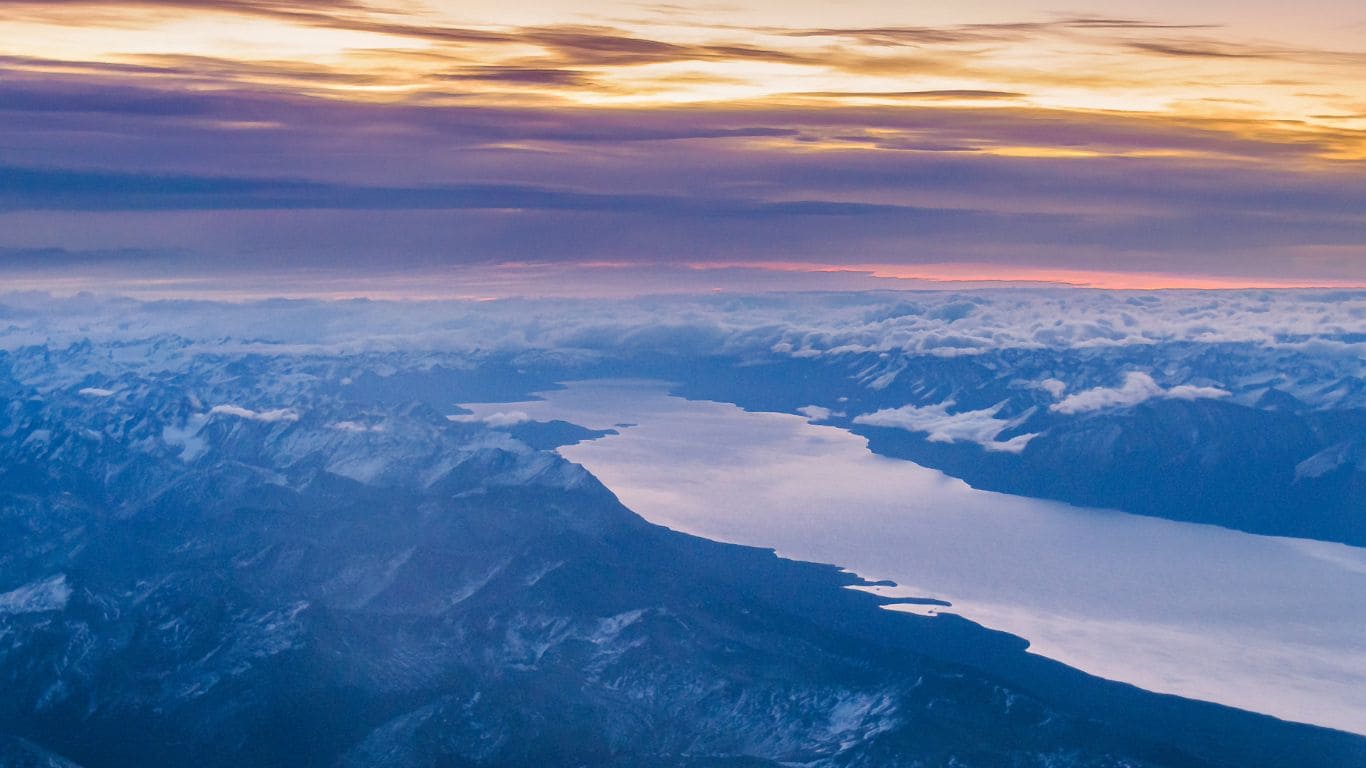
(979,426)
(1138,387)
(273,415)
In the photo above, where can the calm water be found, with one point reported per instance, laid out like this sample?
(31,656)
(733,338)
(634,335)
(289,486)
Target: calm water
(1269,624)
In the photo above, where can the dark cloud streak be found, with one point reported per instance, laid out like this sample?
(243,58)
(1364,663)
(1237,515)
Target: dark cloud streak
(521,76)
(47,189)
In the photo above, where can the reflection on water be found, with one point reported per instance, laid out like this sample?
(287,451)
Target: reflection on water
(1267,624)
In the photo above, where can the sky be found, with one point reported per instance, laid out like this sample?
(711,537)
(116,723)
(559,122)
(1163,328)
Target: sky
(481,149)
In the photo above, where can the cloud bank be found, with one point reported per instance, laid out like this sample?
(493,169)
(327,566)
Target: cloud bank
(1307,343)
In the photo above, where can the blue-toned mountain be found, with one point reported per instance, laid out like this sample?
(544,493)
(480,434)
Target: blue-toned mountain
(234,558)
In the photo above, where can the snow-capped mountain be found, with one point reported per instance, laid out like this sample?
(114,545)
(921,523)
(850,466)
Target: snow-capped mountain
(298,560)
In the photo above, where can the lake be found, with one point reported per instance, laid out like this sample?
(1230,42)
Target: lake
(1269,624)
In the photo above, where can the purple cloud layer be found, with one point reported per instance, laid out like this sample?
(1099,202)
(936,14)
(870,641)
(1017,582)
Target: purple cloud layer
(197,163)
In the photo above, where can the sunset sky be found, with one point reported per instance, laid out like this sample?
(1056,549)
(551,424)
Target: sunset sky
(480,148)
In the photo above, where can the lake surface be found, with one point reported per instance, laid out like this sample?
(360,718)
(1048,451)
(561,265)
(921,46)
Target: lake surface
(1269,624)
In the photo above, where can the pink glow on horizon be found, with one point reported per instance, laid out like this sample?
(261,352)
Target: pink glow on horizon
(616,280)
(978,273)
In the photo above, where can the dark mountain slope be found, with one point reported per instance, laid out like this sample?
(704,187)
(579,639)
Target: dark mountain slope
(184,584)
(1260,461)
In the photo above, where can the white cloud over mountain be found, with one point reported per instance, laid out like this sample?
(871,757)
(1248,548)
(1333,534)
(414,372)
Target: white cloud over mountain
(816,412)
(276,414)
(979,426)
(506,418)
(1137,388)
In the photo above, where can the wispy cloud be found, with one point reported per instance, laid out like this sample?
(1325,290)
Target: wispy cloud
(267,416)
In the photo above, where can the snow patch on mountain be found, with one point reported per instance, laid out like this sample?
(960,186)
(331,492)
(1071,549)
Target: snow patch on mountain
(356,426)
(186,437)
(50,594)
(1331,459)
